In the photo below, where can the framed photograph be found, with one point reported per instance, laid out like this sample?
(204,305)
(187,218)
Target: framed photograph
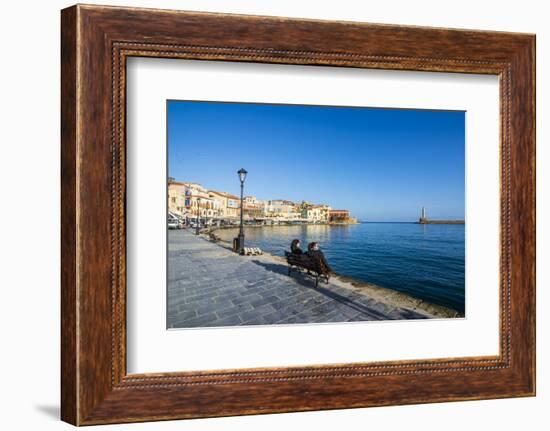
(266,215)
(355,203)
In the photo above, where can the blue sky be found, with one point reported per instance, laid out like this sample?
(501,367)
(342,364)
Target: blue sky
(381,164)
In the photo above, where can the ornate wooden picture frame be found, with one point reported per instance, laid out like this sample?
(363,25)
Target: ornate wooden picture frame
(96,41)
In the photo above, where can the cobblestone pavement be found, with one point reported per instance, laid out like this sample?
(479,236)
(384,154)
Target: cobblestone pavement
(208,285)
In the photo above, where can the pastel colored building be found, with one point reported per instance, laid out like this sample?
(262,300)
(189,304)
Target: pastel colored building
(316,213)
(253,208)
(228,204)
(282,209)
(191,199)
(198,201)
(176,198)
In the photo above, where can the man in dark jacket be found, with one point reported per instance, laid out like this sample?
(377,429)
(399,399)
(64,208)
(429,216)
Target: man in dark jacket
(314,253)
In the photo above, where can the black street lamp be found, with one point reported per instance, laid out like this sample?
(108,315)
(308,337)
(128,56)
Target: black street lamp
(242,176)
(198,227)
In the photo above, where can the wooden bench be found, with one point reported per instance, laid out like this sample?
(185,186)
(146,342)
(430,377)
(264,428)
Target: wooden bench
(313,267)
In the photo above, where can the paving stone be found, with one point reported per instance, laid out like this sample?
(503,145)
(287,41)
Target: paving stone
(185,314)
(246,298)
(228,321)
(235,309)
(203,320)
(268,300)
(256,312)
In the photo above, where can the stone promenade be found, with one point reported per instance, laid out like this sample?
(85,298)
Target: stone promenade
(209,285)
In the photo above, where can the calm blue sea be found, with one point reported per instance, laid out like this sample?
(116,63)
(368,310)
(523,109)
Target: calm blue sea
(426,261)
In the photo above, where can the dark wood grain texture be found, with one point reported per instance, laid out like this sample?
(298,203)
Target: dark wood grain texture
(96,41)
(69,397)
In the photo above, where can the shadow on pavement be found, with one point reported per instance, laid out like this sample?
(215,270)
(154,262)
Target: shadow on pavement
(308,282)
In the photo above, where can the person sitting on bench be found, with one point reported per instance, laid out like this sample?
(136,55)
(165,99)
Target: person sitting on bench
(315,254)
(295,247)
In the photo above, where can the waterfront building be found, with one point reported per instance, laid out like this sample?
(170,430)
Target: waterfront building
(253,208)
(220,202)
(176,198)
(339,216)
(305,208)
(282,209)
(325,213)
(197,200)
(227,203)
(295,213)
(233,206)
(208,207)
(187,199)
(270,209)
(315,213)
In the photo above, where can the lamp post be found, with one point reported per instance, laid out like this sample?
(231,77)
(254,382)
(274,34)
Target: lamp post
(198,226)
(242,176)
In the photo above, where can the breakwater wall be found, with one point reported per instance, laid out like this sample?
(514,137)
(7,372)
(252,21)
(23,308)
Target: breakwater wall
(426,221)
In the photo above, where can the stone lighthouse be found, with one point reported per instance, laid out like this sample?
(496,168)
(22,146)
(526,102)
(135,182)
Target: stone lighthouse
(423,218)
